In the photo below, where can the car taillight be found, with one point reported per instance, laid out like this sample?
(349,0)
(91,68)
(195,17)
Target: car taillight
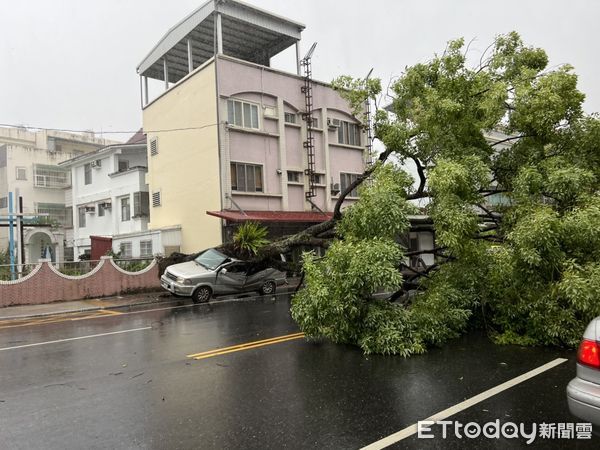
(589,353)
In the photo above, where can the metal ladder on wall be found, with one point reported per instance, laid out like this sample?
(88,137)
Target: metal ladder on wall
(309,143)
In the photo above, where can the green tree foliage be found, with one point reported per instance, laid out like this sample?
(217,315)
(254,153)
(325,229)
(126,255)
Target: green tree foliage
(516,217)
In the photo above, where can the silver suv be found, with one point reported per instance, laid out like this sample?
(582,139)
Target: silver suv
(213,273)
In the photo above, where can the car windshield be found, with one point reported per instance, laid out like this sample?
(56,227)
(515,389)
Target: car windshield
(211,259)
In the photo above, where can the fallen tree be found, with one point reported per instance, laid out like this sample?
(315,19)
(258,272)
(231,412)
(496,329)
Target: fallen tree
(507,168)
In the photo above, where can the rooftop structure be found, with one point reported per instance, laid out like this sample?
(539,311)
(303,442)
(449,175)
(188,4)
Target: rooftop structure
(227,27)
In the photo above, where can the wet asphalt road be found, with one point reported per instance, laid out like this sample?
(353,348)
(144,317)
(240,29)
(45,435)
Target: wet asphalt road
(138,389)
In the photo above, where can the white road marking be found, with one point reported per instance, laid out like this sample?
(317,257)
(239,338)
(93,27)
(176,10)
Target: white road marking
(75,338)
(412,429)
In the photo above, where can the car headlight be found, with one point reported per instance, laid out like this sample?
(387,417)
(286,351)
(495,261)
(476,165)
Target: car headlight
(182,280)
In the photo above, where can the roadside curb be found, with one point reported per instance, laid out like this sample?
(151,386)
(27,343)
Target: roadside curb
(81,310)
(290,290)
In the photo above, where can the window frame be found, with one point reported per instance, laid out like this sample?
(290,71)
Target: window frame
(145,242)
(348,133)
(295,174)
(125,207)
(237,107)
(290,115)
(124,254)
(81,219)
(23,170)
(350,178)
(235,184)
(87,174)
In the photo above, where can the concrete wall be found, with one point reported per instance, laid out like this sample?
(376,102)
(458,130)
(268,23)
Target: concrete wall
(46,285)
(186,169)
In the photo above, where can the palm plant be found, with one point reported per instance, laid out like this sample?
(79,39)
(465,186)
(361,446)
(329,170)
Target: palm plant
(249,238)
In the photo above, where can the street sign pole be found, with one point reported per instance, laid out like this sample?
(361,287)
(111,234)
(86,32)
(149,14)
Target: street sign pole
(11,236)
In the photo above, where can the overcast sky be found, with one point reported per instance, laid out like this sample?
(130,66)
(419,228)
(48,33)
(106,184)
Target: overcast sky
(71,63)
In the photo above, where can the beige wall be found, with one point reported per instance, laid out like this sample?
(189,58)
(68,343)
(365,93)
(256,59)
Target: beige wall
(186,169)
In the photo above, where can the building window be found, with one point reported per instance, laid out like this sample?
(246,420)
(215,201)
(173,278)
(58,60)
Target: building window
(318,178)
(289,117)
(100,209)
(3,202)
(21,173)
(156,200)
(125,209)
(154,147)
(346,179)
(246,177)
(349,133)
(57,213)
(315,122)
(145,248)
(242,114)
(294,176)
(123,165)
(50,176)
(141,204)
(81,215)
(87,173)
(125,249)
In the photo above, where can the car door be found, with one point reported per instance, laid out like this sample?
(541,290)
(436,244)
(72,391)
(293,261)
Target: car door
(256,276)
(232,278)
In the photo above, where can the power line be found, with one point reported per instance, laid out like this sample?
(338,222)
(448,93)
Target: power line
(6,125)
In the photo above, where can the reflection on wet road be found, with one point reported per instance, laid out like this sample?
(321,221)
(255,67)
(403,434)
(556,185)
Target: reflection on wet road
(263,386)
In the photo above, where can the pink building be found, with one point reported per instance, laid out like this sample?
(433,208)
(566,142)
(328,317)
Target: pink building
(232,139)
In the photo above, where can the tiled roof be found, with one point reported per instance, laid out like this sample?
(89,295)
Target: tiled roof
(138,138)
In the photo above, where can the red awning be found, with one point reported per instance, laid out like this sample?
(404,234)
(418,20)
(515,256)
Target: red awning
(272,216)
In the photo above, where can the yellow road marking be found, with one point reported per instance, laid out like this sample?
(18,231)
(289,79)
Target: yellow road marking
(246,346)
(16,323)
(110,311)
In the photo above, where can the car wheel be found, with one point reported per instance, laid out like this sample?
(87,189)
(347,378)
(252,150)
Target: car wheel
(202,294)
(268,288)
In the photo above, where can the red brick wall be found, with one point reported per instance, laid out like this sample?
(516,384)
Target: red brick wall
(46,285)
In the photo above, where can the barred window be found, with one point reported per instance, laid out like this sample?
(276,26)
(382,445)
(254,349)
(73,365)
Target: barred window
(125,249)
(289,117)
(56,212)
(146,248)
(51,176)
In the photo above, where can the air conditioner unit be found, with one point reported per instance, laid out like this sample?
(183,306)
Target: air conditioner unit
(105,205)
(90,209)
(333,123)
(96,164)
(335,188)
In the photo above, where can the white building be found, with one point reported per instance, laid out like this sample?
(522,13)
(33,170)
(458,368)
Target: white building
(109,198)
(29,168)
